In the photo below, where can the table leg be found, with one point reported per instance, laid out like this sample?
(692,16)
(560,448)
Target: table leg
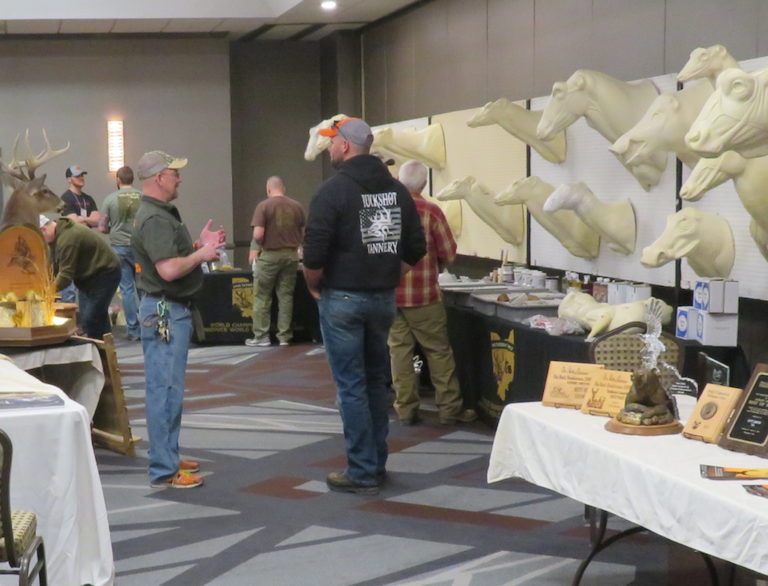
(598,522)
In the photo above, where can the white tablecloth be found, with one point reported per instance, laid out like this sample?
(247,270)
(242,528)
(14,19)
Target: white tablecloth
(54,475)
(82,378)
(650,481)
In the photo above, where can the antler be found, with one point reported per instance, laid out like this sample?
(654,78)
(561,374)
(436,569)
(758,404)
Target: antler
(31,162)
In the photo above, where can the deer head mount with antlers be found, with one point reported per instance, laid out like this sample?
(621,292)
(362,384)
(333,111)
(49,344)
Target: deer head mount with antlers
(30,197)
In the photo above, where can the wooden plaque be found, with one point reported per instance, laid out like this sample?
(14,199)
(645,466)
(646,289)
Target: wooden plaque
(567,383)
(708,419)
(607,392)
(23,260)
(747,428)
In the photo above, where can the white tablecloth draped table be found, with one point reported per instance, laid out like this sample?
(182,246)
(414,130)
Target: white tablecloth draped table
(653,481)
(54,475)
(76,368)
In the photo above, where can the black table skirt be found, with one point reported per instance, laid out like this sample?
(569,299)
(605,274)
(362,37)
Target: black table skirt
(223,309)
(500,362)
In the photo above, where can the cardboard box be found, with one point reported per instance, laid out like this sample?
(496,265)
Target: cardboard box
(708,295)
(685,325)
(617,292)
(731,297)
(717,329)
(637,292)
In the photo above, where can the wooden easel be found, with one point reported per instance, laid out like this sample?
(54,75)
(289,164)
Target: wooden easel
(111,427)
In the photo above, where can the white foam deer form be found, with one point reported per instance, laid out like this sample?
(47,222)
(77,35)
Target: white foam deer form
(707,63)
(318,143)
(750,176)
(663,127)
(520,123)
(609,105)
(615,222)
(426,145)
(578,238)
(703,238)
(734,117)
(508,222)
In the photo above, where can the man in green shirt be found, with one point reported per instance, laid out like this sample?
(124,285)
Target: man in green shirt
(116,219)
(169,278)
(81,256)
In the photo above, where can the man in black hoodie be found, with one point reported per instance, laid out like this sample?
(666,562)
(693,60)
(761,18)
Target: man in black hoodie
(362,234)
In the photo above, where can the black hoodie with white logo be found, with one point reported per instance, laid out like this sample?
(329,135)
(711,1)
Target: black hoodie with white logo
(362,223)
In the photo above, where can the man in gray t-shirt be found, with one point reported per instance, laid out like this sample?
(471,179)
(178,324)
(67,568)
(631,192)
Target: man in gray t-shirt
(118,211)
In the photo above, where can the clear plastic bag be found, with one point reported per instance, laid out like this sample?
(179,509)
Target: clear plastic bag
(555,326)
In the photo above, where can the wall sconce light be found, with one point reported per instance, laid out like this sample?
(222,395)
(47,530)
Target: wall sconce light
(115,145)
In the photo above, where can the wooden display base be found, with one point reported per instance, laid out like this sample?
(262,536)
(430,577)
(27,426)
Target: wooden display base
(617,426)
(37,336)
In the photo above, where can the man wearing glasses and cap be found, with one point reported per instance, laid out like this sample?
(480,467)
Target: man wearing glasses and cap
(362,234)
(169,279)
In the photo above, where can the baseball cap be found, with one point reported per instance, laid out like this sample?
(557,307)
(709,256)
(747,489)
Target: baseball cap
(153,162)
(354,130)
(75,171)
(44,220)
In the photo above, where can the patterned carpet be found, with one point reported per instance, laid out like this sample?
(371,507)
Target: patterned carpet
(263,424)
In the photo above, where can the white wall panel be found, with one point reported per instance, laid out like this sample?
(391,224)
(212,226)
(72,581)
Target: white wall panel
(590,161)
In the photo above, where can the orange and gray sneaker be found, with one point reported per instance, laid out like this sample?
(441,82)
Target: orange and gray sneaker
(179,480)
(189,466)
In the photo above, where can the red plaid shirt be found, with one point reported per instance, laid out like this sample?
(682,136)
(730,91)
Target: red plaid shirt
(419,285)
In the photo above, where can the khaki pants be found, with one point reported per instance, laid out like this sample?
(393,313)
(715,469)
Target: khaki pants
(275,271)
(426,325)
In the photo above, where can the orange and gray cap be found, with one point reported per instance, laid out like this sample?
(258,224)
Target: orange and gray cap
(354,130)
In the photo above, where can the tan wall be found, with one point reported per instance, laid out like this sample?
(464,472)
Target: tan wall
(450,55)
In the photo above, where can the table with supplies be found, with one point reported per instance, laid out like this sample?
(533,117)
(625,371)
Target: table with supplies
(652,481)
(54,475)
(501,361)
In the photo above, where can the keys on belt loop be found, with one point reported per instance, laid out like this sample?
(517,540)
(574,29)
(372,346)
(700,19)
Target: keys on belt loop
(162,325)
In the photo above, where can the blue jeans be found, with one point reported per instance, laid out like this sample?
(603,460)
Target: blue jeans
(68,294)
(355,325)
(128,289)
(94,303)
(165,366)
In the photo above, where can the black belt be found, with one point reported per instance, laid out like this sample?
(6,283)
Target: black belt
(185,302)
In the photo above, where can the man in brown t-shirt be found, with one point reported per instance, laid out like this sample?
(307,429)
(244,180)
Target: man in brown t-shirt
(278,231)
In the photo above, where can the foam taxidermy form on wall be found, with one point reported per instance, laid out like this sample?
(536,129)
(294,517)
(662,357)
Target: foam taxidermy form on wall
(508,222)
(521,123)
(426,145)
(750,176)
(615,222)
(609,105)
(603,317)
(734,117)
(318,143)
(707,63)
(703,238)
(662,129)
(578,238)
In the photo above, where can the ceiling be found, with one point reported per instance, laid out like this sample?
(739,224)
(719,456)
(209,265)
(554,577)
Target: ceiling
(236,19)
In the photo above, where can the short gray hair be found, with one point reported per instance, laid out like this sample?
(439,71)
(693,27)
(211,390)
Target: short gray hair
(413,175)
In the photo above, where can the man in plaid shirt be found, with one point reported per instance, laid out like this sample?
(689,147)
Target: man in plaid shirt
(421,316)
